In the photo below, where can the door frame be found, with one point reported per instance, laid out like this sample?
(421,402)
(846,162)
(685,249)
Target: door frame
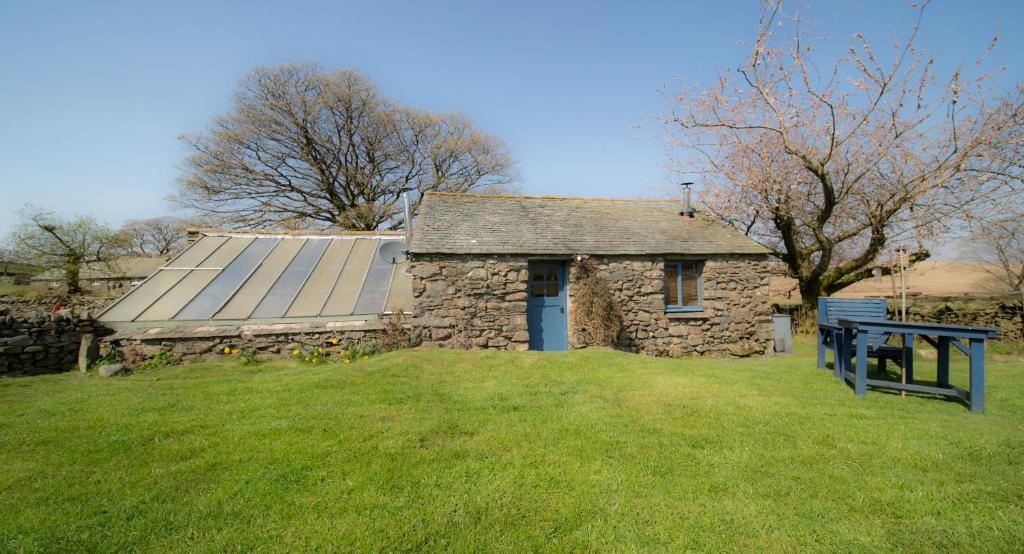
(562,300)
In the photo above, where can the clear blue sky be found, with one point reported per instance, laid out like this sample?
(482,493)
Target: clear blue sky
(95,94)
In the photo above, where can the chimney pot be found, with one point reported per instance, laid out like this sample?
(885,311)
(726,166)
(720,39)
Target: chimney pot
(687,212)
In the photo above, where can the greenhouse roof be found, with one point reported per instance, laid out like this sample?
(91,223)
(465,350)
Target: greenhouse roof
(240,276)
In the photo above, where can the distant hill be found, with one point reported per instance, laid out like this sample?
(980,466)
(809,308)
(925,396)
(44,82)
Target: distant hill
(929,278)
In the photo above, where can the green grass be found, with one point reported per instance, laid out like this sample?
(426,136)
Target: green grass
(440,450)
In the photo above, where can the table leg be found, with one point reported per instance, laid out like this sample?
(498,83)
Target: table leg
(861,385)
(821,347)
(908,357)
(846,339)
(942,378)
(977,375)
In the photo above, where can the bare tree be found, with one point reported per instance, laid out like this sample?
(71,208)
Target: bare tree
(827,162)
(44,239)
(157,236)
(303,147)
(999,244)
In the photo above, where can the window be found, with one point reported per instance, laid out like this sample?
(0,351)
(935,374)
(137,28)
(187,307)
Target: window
(544,280)
(683,286)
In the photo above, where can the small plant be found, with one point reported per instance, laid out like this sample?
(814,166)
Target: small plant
(250,356)
(395,336)
(314,355)
(112,356)
(350,351)
(161,358)
(460,339)
(361,349)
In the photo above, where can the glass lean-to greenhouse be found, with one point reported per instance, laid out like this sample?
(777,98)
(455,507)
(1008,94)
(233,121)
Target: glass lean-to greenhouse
(225,277)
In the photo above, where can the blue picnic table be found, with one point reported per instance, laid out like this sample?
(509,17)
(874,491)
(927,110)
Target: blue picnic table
(853,341)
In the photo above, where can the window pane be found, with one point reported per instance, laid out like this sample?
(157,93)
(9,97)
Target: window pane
(553,274)
(690,297)
(537,290)
(552,289)
(537,275)
(219,291)
(280,296)
(375,286)
(671,285)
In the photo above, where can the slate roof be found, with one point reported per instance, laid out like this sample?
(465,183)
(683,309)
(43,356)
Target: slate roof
(487,224)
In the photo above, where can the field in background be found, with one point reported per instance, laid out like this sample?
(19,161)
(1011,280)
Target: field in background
(928,278)
(430,449)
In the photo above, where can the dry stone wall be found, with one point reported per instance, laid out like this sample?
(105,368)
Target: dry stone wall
(1003,315)
(471,301)
(736,318)
(478,301)
(35,342)
(279,340)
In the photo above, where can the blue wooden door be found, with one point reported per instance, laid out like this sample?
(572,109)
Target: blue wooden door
(545,306)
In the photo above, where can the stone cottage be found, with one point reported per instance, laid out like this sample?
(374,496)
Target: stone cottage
(499,272)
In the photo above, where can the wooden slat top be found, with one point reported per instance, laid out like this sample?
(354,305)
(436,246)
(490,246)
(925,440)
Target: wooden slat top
(918,327)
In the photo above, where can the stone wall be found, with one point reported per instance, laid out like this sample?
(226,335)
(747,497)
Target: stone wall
(1004,315)
(471,301)
(34,342)
(21,307)
(736,318)
(1000,313)
(480,301)
(209,341)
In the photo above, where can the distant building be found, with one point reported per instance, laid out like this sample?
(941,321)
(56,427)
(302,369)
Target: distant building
(16,272)
(113,278)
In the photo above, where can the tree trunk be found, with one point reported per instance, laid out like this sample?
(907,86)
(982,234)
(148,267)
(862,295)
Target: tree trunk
(810,290)
(71,273)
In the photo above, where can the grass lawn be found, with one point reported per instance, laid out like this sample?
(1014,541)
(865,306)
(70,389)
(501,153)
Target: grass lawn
(440,450)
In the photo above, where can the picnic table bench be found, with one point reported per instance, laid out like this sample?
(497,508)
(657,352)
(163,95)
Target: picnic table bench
(830,310)
(856,329)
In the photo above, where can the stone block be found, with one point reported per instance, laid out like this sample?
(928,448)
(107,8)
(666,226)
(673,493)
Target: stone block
(110,369)
(88,351)
(18,340)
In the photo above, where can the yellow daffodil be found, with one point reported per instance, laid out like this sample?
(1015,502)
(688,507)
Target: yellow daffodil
(321,349)
(295,352)
(227,349)
(236,350)
(348,361)
(334,341)
(307,358)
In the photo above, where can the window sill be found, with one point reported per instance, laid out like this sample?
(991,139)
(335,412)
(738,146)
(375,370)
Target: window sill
(686,315)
